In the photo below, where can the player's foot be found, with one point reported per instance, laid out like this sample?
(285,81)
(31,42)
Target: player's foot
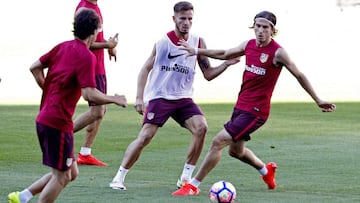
(89,160)
(117,185)
(269,178)
(181,183)
(13,197)
(186,190)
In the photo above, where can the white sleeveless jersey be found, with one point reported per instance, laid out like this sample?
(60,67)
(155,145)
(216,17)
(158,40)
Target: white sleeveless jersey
(172,75)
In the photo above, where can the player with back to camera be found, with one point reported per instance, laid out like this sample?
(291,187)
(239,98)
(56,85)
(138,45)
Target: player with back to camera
(264,59)
(92,118)
(168,75)
(70,74)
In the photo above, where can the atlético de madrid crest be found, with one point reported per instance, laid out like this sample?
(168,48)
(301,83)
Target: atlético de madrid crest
(150,116)
(264,57)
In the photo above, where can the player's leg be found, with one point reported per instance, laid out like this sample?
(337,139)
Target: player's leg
(132,154)
(83,120)
(97,112)
(197,125)
(90,135)
(157,113)
(54,181)
(239,151)
(85,157)
(190,116)
(39,185)
(57,182)
(244,154)
(135,148)
(212,158)
(34,189)
(241,126)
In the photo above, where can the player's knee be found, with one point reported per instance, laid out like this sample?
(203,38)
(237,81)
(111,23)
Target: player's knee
(238,154)
(232,153)
(64,179)
(201,130)
(74,174)
(98,115)
(216,143)
(98,112)
(144,139)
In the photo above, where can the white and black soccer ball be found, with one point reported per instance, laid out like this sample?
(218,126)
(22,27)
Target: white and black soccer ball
(222,192)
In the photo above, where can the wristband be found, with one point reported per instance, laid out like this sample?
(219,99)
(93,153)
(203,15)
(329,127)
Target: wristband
(196,51)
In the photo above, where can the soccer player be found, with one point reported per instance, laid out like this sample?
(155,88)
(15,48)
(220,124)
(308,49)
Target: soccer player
(264,61)
(70,74)
(168,75)
(92,118)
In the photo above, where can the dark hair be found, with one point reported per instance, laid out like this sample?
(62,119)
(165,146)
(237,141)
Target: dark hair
(86,22)
(183,6)
(267,15)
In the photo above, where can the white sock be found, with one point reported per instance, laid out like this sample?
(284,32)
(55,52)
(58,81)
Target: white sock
(195,182)
(85,151)
(25,196)
(263,171)
(121,174)
(187,172)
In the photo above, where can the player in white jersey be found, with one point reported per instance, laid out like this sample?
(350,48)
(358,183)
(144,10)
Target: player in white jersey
(172,74)
(168,75)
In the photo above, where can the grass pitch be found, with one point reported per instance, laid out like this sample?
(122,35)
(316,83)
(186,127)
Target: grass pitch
(317,155)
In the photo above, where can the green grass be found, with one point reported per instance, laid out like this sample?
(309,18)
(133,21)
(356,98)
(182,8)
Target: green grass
(317,155)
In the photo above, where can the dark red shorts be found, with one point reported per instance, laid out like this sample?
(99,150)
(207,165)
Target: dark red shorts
(158,111)
(242,124)
(56,146)
(101,85)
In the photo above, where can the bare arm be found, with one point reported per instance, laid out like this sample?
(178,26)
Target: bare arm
(281,57)
(208,71)
(141,82)
(214,53)
(107,44)
(37,70)
(94,95)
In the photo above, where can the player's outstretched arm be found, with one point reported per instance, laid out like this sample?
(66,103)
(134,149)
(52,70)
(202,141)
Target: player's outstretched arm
(213,53)
(208,71)
(94,95)
(282,58)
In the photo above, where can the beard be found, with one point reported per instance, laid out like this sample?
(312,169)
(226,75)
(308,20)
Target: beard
(183,32)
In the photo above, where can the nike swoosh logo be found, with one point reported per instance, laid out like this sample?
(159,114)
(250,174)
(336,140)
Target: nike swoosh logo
(174,56)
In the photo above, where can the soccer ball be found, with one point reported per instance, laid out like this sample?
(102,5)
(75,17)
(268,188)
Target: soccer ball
(222,192)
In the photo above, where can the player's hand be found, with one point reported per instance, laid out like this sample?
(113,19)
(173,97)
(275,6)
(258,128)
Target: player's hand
(112,42)
(186,47)
(112,53)
(121,100)
(326,106)
(139,106)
